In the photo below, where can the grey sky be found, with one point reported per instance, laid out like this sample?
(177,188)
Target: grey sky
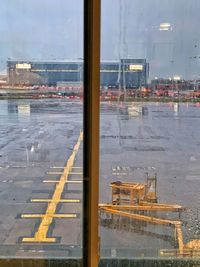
(52,29)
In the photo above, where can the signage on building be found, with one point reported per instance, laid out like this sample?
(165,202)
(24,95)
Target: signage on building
(135,67)
(24,66)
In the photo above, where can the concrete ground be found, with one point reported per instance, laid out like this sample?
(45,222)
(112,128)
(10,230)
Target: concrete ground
(37,137)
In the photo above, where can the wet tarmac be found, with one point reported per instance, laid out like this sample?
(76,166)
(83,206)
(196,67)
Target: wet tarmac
(37,135)
(164,140)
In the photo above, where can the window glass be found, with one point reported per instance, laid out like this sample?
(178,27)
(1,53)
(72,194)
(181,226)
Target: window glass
(150,88)
(41,110)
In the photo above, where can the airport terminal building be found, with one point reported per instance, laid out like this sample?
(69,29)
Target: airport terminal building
(132,73)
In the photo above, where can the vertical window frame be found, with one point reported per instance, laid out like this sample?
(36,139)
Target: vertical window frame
(91,132)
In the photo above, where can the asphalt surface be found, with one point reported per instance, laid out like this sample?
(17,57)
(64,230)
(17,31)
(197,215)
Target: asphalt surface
(164,140)
(36,135)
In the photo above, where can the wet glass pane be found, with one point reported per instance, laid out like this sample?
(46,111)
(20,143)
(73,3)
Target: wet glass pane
(41,110)
(150,114)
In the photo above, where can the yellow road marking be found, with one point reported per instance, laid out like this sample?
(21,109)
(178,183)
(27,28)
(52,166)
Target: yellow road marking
(32,239)
(55,172)
(47,218)
(74,167)
(69,182)
(33,216)
(50,200)
(64,172)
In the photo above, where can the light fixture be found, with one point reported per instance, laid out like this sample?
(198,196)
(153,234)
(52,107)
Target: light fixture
(165,26)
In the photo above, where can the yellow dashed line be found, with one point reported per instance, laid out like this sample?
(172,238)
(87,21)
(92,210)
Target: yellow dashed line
(64,172)
(47,218)
(69,182)
(56,172)
(74,167)
(45,240)
(33,216)
(79,173)
(50,200)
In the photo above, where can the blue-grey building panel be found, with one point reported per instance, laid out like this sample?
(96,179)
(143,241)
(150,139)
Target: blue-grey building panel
(131,73)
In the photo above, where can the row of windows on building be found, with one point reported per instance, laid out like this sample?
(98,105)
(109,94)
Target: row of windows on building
(132,73)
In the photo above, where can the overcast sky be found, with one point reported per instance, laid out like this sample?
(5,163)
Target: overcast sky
(53,29)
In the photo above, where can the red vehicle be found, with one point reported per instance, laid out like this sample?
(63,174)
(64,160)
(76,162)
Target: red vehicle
(161,92)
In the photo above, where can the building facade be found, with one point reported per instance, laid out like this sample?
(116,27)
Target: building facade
(132,73)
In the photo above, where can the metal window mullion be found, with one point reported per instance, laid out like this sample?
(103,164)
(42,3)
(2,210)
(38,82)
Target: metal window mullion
(91,132)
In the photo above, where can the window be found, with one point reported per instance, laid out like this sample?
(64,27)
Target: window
(41,129)
(149,185)
(149,108)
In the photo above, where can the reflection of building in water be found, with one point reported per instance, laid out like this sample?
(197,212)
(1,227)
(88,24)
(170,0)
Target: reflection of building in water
(176,108)
(135,110)
(24,109)
(12,106)
(4,107)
